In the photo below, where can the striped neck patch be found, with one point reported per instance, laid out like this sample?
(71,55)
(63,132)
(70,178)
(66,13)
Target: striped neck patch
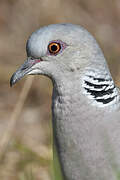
(102,90)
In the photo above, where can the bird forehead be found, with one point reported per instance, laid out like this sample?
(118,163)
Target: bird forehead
(37,44)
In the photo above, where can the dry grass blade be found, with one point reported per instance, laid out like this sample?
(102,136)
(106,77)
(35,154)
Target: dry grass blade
(15,115)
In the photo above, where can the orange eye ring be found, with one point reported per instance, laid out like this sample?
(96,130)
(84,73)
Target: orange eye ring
(54,48)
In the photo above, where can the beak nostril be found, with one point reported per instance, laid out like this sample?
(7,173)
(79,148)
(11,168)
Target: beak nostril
(38,60)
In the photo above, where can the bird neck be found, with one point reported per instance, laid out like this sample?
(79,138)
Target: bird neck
(95,86)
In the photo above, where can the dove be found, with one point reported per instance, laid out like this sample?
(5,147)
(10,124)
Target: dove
(85,100)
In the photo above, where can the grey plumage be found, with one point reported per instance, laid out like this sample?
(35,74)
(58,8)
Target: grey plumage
(85,102)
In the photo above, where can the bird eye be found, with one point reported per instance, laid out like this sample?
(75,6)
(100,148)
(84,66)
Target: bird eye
(54,47)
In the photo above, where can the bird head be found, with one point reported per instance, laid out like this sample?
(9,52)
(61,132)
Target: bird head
(58,49)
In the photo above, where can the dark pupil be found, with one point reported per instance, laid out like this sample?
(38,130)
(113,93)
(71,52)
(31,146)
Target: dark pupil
(54,48)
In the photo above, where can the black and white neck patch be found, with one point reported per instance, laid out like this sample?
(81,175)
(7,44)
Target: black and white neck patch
(101,90)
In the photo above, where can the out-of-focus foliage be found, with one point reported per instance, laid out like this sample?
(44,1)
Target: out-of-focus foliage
(28,155)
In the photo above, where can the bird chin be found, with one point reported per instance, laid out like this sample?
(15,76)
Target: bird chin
(35,72)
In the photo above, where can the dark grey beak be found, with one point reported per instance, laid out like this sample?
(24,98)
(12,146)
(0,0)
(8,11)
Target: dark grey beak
(22,71)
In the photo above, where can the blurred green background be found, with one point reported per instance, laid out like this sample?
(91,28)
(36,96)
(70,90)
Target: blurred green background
(27,152)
